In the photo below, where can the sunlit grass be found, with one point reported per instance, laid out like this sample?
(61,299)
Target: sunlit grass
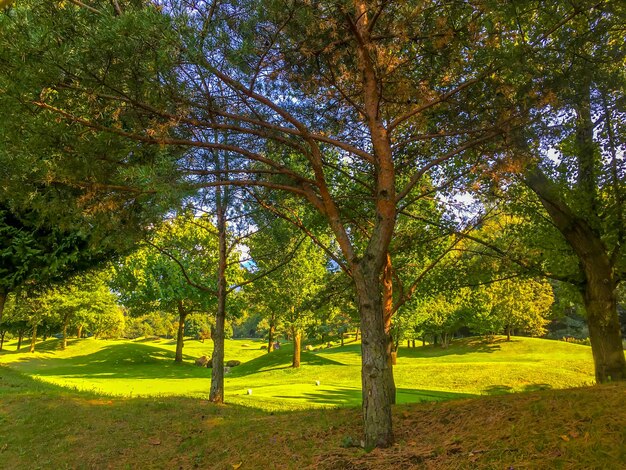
(146,368)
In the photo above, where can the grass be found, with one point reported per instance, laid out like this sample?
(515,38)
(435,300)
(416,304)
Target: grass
(46,426)
(468,367)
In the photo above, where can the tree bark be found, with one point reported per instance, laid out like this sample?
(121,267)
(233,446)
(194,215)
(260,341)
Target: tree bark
(180,336)
(270,339)
(79,331)
(33,339)
(217,372)
(20,336)
(2,339)
(297,347)
(387,285)
(375,369)
(508,333)
(598,284)
(342,337)
(66,319)
(604,330)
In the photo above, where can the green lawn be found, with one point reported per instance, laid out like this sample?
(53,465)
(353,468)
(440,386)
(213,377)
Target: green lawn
(54,414)
(146,368)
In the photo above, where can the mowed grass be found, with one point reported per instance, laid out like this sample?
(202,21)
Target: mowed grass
(44,426)
(146,368)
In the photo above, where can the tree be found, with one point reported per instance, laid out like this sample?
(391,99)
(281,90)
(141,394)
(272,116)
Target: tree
(175,272)
(512,304)
(85,299)
(568,157)
(33,252)
(286,294)
(349,105)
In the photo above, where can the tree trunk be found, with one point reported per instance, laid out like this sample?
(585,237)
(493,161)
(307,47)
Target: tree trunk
(435,340)
(20,336)
(2,339)
(387,285)
(604,331)
(3,299)
(270,339)
(599,284)
(217,372)
(297,347)
(375,369)
(33,339)
(180,336)
(342,337)
(79,331)
(413,344)
(508,333)
(66,319)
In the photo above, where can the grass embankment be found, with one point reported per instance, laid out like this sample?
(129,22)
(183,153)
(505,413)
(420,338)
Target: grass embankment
(46,426)
(468,367)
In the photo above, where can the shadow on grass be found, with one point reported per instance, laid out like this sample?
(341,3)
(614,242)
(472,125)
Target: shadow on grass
(280,359)
(132,361)
(351,396)
(48,345)
(502,389)
(458,347)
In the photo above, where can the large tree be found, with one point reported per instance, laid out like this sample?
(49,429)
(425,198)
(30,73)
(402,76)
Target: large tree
(348,104)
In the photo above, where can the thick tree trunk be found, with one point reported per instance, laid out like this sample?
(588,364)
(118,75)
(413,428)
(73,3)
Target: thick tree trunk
(297,347)
(217,373)
(604,331)
(79,331)
(387,285)
(598,280)
(33,339)
(508,333)
(376,369)
(180,336)
(2,339)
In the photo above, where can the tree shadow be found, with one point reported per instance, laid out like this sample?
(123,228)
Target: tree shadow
(280,359)
(456,348)
(498,389)
(134,360)
(351,396)
(44,346)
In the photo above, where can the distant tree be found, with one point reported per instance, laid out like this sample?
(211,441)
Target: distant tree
(295,269)
(511,304)
(85,300)
(174,272)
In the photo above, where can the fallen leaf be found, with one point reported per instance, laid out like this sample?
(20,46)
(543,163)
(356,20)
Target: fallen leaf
(565,438)
(237,465)
(155,442)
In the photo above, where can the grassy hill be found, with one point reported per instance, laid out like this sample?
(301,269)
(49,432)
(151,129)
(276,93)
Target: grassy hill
(45,426)
(468,367)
